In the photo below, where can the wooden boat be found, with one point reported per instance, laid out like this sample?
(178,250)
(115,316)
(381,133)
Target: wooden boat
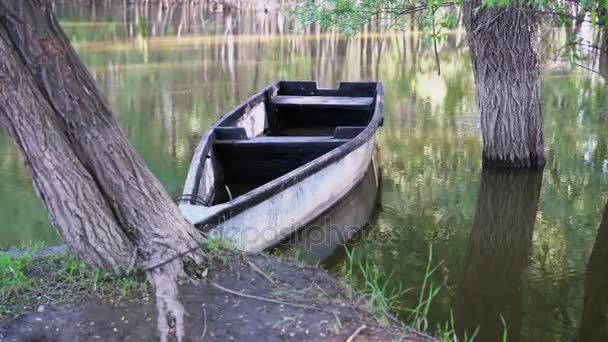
(320,240)
(280,159)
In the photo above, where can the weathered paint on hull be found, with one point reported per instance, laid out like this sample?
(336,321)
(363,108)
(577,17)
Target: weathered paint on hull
(270,221)
(322,238)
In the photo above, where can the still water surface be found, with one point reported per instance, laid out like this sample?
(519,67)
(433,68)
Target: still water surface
(531,248)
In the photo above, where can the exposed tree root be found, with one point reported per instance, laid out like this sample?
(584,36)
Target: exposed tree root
(170,311)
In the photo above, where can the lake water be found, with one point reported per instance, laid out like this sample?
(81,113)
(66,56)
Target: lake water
(530,248)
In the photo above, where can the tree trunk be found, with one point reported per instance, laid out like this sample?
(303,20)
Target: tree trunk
(498,252)
(503,44)
(603,63)
(100,196)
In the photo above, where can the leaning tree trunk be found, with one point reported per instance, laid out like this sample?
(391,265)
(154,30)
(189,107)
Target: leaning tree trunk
(100,196)
(503,45)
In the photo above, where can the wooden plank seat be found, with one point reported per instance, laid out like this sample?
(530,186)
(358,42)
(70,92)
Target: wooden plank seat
(230,133)
(239,133)
(283,143)
(347,132)
(266,158)
(346,102)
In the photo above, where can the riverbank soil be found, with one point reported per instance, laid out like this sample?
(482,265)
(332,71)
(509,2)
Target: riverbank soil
(237,298)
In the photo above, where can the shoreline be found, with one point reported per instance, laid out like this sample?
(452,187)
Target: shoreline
(237,296)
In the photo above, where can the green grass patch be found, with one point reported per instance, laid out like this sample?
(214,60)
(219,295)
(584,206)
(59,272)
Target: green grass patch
(383,299)
(27,282)
(217,249)
(13,277)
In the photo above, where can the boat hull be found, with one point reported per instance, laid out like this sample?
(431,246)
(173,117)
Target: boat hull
(280,159)
(270,221)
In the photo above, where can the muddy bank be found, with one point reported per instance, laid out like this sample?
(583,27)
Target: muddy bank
(238,298)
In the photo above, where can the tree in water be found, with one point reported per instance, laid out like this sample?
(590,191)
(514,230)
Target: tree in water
(503,38)
(498,252)
(503,43)
(100,196)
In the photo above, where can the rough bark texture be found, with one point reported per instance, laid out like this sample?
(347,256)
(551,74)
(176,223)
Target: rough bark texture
(497,254)
(98,192)
(503,45)
(75,204)
(100,196)
(594,319)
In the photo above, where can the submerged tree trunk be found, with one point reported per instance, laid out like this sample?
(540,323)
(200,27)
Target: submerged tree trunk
(100,196)
(503,44)
(497,254)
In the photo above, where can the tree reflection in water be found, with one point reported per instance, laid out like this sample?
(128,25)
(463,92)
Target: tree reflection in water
(594,320)
(498,252)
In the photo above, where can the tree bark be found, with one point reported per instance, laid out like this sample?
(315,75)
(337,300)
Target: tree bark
(498,252)
(100,196)
(503,44)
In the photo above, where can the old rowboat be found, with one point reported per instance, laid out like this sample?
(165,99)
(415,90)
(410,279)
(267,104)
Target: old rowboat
(281,159)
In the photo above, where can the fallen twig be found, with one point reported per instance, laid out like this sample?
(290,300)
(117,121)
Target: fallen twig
(351,338)
(205,324)
(275,301)
(321,289)
(257,269)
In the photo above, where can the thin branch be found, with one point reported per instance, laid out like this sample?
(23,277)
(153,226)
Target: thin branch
(257,269)
(587,68)
(204,324)
(435,41)
(351,338)
(275,301)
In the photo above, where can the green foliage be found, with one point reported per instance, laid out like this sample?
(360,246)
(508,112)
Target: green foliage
(213,245)
(433,15)
(218,249)
(349,16)
(13,280)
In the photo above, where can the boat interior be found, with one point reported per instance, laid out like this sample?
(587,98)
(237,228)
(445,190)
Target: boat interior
(281,129)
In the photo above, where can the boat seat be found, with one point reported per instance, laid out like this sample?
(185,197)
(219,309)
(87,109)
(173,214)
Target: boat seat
(266,158)
(347,132)
(230,133)
(282,142)
(346,102)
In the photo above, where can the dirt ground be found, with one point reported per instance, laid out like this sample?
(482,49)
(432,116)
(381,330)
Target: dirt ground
(275,300)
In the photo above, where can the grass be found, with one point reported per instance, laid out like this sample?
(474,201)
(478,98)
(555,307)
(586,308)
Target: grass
(27,282)
(213,245)
(428,292)
(383,299)
(13,278)
(216,248)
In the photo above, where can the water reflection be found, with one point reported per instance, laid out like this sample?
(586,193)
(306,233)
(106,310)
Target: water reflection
(321,239)
(603,59)
(594,319)
(498,251)
(168,83)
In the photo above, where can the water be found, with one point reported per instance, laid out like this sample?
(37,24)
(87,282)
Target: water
(528,247)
